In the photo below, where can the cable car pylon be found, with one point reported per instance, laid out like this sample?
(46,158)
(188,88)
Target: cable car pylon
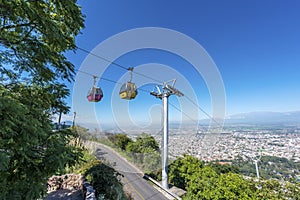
(163,93)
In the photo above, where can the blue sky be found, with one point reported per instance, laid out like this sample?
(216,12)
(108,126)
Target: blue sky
(254,44)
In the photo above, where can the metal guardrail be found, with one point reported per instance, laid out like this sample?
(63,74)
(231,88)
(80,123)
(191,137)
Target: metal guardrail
(160,186)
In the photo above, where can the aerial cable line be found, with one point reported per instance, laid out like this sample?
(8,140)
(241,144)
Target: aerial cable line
(102,58)
(208,115)
(106,79)
(143,90)
(118,65)
(109,80)
(140,74)
(176,108)
(147,91)
(85,73)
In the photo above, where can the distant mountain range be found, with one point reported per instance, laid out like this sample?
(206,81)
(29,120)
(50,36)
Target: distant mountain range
(265,118)
(288,118)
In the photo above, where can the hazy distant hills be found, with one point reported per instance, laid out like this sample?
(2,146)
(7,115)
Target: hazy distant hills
(251,118)
(265,118)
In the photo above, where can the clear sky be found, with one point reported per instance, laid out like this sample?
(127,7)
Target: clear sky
(255,45)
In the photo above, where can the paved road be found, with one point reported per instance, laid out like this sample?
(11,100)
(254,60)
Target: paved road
(133,177)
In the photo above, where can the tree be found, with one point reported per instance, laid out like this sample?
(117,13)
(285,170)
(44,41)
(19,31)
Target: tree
(33,38)
(105,180)
(122,140)
(31,150)
(224,168)
(209,182)
(34,35)
(143,144)
(144,152)
(199,184)
(228,186)
(182,170)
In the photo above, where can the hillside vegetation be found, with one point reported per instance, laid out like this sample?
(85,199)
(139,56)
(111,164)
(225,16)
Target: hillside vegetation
(206,181)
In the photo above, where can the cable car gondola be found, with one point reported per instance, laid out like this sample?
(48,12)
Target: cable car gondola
(128,90)
(95,94)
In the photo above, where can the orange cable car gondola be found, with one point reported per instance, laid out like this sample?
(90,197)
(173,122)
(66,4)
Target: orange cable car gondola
(95,94)
(128,90)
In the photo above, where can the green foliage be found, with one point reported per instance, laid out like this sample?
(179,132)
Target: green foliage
(143,144)
(211,181)
(228,186)
(121,140)
(182,170)
(224,168)
(292,191)
(143,152)
(35,34)
(31,150)
(104,180)
(147,143)
(270,167)
(85,163)
(273,189)
(151,161)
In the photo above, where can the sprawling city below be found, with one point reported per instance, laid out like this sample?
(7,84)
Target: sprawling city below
(246,141)
(247,144)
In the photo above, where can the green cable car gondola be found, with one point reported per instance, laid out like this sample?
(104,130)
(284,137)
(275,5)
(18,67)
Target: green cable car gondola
(128,90)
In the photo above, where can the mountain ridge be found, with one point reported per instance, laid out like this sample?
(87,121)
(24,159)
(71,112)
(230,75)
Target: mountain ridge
(268,117)
(261,117)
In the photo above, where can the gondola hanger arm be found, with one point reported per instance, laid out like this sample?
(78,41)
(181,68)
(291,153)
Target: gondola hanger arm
(131,70)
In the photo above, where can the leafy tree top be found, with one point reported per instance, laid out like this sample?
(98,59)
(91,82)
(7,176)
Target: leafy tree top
(34,35)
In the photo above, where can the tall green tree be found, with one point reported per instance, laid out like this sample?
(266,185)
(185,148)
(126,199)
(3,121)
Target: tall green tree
(34,35)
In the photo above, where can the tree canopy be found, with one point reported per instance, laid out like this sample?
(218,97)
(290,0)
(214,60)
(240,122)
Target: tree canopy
(30,150)
(144,144)
(34,35)
(209,181)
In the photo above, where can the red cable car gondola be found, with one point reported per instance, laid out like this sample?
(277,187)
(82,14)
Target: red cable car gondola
(95,94)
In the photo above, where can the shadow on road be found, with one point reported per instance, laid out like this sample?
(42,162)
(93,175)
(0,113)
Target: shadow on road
(100,154)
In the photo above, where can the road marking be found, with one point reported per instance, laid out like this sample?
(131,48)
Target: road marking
(127,181)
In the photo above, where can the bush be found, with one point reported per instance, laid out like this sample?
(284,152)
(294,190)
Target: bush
(105,180)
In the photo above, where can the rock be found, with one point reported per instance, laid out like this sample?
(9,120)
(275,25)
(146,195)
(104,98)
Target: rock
(68,182)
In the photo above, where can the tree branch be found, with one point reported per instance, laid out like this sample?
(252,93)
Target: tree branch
(15,26)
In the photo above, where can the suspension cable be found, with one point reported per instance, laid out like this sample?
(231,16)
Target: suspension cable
(143,75)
